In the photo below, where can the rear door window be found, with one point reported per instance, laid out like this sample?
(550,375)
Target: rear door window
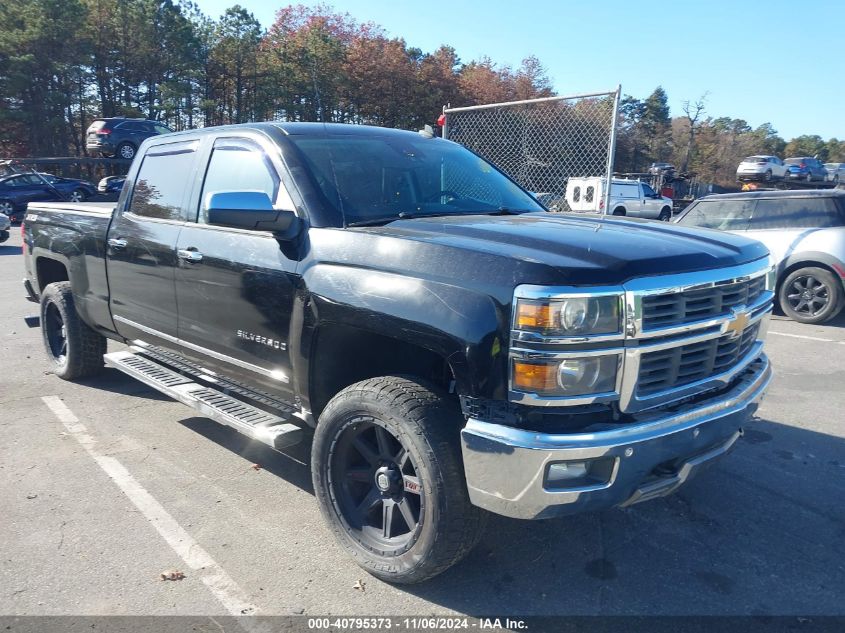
(163,181)
(796,213)
(726,215)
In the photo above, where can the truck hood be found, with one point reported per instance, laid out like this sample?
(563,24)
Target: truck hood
(582,250)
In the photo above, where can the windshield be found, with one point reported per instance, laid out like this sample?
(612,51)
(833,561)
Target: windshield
(368,179)
(793,161)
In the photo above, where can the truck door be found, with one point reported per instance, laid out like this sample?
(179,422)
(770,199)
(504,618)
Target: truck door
(650,202)
(235,288)
(141,245)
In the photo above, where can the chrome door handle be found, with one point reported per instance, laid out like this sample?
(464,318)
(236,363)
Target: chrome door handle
(189,255)
(116,242)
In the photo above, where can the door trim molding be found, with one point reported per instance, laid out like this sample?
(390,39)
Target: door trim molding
(275,374)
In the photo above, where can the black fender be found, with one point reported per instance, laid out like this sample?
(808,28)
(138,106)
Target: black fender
(461,325)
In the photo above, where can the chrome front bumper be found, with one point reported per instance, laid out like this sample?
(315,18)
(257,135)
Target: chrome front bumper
(508,469)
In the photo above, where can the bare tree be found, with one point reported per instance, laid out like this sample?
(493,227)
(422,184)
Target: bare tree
(693,113)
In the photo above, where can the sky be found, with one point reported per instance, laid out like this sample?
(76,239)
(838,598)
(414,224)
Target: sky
(775,61)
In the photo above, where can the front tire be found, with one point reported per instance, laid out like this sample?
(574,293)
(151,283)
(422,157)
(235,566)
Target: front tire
(73,349)
(388,476)
(665,214)
(811,295)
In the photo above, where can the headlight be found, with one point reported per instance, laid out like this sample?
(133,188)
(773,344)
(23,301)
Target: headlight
(570,316)
(573,376)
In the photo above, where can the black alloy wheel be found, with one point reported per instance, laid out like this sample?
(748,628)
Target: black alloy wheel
(389,478)
(811,295)
(55,332)
(376,486)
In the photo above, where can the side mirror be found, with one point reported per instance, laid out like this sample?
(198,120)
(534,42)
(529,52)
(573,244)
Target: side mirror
(251,210)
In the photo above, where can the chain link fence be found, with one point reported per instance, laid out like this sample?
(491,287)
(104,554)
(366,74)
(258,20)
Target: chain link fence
(541,143)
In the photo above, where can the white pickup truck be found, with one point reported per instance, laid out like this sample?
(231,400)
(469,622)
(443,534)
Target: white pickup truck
(627,197)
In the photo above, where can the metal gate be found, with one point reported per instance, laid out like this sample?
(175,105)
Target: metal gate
(541,143)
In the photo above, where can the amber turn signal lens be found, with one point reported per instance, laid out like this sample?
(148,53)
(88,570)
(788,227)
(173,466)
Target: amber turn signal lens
(534,316)
(535,377)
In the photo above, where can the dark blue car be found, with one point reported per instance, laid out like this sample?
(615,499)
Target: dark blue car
(17,190)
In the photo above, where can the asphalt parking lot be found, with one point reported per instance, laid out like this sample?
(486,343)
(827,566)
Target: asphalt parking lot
(106,484)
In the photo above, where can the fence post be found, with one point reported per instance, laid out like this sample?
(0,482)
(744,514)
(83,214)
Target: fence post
(611,150)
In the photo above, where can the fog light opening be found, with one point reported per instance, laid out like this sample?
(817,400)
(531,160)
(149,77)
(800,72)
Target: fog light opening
(580,474)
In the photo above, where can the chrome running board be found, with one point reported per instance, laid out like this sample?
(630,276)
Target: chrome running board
(265,427)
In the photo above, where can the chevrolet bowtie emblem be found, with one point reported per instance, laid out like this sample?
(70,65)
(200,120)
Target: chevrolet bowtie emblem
(738,323)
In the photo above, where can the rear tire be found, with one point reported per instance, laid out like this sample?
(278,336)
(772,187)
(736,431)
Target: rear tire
(388,475)
(768,176)
(811,295)
(125,151)
(73,349)
(78,195)
(619,211)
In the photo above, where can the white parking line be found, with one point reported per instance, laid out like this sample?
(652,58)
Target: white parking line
(226,590)
(809,338)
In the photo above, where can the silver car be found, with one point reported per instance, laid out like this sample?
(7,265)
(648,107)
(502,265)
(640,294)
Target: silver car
(5,223)
(835,172)
(805,233)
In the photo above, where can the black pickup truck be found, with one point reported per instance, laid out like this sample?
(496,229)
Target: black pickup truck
(446,345)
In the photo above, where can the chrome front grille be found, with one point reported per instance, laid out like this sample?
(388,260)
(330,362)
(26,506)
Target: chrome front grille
(683,365)
(677,308)
(682,334)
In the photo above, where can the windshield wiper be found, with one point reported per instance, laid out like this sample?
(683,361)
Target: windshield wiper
(410,215)
(507,211)
(402,215)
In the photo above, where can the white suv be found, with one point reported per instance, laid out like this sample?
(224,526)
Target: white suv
(766,168)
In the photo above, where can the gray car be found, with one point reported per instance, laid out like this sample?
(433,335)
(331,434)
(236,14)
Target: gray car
(805,233)
(5,224)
